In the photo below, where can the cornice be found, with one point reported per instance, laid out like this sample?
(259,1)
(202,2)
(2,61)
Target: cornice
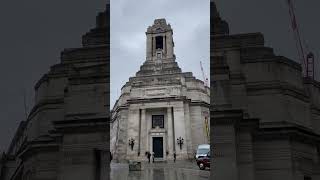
(292,133)
(37,146)
(82,125)
(152,100)
(200,103)
(276,87)
(238,41)
(41,105)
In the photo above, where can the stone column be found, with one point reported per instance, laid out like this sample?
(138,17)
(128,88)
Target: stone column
(188,139)
(224,156)
(144,134)
(133,132)
(180,130)
(169,45)
(246,157)
(170,133)
(104,165)
(165,39)
(149,47)
(148,124)
(154,47)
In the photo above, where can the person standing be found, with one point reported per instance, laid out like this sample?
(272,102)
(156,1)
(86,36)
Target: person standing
(148,155)
(174,157)
(152,157)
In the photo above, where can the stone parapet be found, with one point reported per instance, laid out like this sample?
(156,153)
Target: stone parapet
(237,41)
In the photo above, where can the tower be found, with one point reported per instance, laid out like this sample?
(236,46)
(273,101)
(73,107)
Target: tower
(159,41)
(160,57)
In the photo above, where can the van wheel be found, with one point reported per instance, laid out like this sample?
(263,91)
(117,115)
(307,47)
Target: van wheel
(201,166)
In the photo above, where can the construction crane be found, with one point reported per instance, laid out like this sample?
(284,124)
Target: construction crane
(305,56)
(205,79)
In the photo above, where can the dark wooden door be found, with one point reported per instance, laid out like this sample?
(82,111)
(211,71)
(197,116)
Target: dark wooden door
(158,147)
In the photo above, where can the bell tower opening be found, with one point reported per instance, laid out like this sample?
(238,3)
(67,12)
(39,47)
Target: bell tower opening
(159,42)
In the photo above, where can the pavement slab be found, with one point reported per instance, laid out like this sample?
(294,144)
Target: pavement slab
(181,170)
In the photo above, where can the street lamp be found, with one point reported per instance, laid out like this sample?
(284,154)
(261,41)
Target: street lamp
(180,142)
(131,143)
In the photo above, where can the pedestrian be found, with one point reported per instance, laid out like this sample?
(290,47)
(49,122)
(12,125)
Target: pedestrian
(148,155)
(174,157)
(111,157)
(152,157)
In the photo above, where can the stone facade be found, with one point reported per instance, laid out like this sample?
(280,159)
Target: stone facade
(66,133)
(265,115)
(159,105)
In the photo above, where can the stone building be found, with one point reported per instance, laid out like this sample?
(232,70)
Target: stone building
(265,118)
(65,136)
(160,105)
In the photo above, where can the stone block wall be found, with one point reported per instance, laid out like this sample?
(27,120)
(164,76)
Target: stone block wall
(264,113)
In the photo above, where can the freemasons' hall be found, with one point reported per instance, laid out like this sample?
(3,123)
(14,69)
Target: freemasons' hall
(161,110)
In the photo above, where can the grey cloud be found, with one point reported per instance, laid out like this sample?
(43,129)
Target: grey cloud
(129,21)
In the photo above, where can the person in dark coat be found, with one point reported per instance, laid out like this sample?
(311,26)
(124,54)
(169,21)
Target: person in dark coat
(174,157)
(148,155)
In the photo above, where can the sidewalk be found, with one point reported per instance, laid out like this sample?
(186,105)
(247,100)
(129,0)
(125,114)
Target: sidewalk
(179,164)
(180,170)
(167,164)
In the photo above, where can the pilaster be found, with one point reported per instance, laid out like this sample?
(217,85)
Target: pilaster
(144,134)
(224,144)
(180,131)
(170,133)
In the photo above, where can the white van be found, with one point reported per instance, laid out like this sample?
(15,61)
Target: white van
(203,150)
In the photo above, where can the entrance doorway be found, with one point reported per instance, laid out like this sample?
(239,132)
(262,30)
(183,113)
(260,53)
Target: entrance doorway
(158,147)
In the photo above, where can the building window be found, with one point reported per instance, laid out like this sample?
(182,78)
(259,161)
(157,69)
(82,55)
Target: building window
(159,42)
(158,120)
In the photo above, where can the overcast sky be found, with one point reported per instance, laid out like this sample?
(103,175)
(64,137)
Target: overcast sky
(271,17)
(189,19)
(32,34)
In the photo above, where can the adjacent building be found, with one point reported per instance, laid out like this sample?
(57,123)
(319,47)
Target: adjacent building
(265,115)
(66,134)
